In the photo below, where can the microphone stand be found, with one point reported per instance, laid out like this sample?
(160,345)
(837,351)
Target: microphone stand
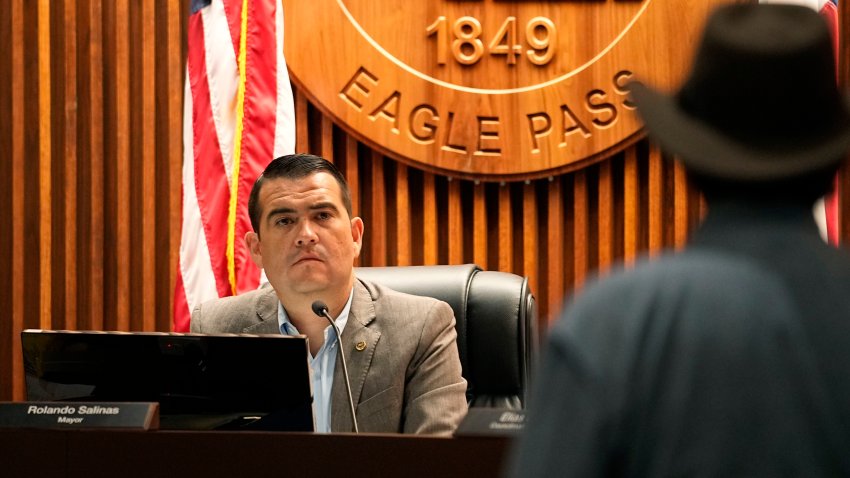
(321,309)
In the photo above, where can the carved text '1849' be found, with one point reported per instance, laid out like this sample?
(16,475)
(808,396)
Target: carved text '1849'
(488,88)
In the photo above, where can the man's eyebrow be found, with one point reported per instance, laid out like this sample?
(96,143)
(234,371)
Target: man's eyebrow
(324,205)
(313,207)
(279,210)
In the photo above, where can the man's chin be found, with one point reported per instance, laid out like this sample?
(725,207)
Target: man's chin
(308,283)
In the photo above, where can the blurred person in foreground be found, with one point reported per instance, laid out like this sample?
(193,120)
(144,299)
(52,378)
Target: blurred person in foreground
(732,357)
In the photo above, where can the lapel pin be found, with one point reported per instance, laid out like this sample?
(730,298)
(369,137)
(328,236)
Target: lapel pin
(360,346)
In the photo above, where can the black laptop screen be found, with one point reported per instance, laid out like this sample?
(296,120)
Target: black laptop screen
(231,377)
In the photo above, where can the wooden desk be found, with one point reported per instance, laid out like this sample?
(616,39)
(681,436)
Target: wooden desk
(47,454)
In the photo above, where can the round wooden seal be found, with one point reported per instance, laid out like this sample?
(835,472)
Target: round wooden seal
(489,89)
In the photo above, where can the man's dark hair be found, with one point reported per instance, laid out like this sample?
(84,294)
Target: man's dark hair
(295,166)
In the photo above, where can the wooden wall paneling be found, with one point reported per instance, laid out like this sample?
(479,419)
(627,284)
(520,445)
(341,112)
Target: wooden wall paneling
(351,173)
(74,100)
(57,191)
(554,253)
(136,169)
(18,211)
(169,68)
(441,229)
(31,192)
(45,166)
(455,222)
(430,222)
(148,165)
(696,209)
(302,140)
(592,221)
(116,191)
(401,220)
(75,175)
(618,212)
(51,184)
(7,201)
(122,209)
(314,129)
(680,205)
(567,187)
(479,224)
(655,184)
(631,205)
(491,206)
(352,177)
(327,132)
(95,260)
(69,205)
(6,241)
(581,226)
(605,222)
(376,240)
(89,155)
(530,235)
(506,229)
(668,210)
(169,175)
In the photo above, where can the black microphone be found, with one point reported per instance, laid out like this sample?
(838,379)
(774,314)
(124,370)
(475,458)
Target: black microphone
(321,309)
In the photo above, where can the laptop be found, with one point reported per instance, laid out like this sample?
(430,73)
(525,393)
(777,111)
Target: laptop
(242,382)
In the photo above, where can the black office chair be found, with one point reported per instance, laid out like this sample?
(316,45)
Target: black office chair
(496,324)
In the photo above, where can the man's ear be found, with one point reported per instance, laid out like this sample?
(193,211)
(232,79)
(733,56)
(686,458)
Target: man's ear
(357,235)
(252,240)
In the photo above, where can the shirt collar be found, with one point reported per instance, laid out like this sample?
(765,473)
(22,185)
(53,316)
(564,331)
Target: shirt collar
(288,328)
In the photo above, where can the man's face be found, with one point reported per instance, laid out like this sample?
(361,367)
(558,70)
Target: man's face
(307,242)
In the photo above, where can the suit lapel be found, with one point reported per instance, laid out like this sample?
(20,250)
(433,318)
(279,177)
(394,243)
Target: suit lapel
(356,335)
(266,316)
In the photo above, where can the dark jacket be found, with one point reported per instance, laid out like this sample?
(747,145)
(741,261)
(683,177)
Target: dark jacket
(731,358)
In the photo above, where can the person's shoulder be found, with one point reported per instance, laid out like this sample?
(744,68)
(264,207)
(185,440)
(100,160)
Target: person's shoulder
(677,287)
(219,315)
(391,303)
(381,292)
(246,299)
(676,271)
(691,297)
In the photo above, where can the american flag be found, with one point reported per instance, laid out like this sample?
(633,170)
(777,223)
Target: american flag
(238,115)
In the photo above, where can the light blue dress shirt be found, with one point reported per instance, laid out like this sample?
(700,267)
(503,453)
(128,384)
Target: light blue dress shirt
(322,365)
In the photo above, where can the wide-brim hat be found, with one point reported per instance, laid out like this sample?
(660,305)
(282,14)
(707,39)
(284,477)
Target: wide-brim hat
(761,102)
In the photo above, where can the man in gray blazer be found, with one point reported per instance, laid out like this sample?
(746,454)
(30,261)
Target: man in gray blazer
(402,357)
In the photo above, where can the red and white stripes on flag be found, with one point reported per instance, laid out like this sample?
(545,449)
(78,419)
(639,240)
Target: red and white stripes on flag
(829,10)
(826,210)
(238,115)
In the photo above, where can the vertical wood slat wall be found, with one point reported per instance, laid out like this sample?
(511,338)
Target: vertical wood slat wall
(90,167)
(90,184)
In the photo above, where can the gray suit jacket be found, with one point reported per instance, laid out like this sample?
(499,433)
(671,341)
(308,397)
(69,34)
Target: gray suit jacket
(407,379)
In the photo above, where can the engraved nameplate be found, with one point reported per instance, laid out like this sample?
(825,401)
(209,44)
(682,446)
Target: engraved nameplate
(80,415)
(491,422)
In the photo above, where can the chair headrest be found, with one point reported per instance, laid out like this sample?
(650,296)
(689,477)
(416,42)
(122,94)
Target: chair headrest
(447,283)
(496,323)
